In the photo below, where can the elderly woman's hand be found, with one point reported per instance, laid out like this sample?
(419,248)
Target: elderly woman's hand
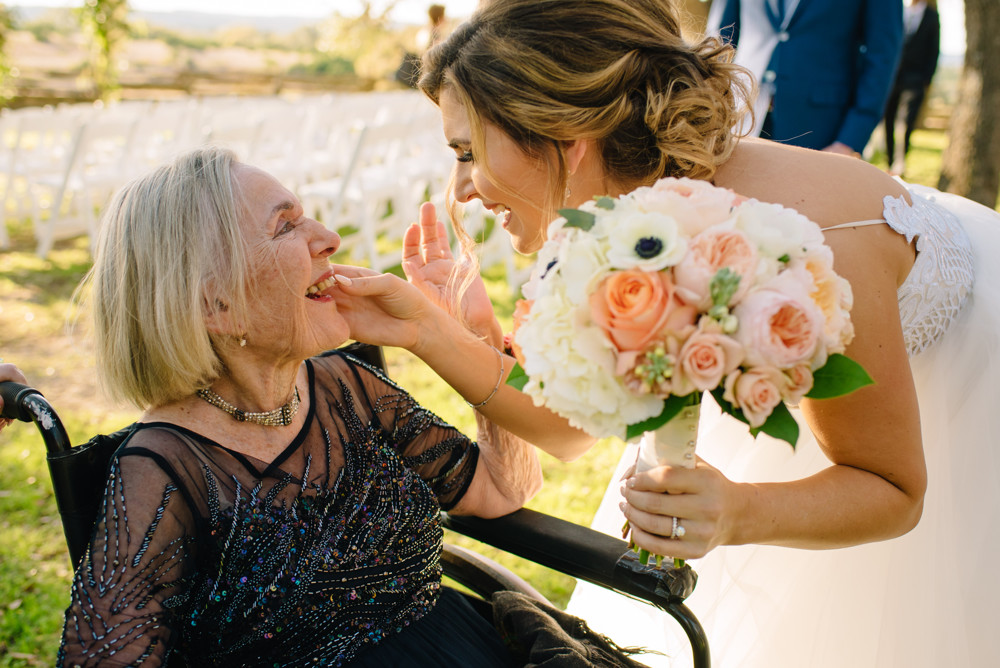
(10,372)
(705,503)
(428,263)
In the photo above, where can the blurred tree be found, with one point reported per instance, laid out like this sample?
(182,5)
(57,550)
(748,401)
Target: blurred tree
(971,162)
(105,23)
(6,72)
(368,40)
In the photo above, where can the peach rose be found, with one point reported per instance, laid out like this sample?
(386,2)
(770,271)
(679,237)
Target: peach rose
(832,295)
(635,307)
(704,359)
(780,325)
(709,252)
(756,392)
(800,381)
(696,204)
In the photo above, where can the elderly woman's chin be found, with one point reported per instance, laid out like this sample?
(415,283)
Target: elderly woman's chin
(330,327)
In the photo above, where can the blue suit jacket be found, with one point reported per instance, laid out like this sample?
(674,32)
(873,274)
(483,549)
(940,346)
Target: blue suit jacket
(833,73)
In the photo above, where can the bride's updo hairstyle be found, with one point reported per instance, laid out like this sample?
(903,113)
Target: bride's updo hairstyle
(615,71)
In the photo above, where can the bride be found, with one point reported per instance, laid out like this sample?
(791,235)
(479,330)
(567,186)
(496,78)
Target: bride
(872,543)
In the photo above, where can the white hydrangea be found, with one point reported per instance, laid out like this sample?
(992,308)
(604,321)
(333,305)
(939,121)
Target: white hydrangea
(571,365)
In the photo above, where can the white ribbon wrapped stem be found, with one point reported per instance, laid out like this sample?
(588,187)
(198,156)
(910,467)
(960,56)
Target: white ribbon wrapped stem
(672,444)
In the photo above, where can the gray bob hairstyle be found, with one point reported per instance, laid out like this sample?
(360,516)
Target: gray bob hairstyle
(170,252)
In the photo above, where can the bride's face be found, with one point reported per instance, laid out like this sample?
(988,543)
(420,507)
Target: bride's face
(517,192)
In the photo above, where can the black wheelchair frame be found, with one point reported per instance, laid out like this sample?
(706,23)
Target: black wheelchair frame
(79,473)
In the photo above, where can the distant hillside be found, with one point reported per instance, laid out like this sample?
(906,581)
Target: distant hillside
(191,21)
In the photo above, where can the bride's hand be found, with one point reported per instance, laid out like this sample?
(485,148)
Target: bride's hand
(10,372)
(381,309)
(428,264)
(705,503)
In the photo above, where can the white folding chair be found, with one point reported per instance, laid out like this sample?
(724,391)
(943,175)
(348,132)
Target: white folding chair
(97,165)
(43,139)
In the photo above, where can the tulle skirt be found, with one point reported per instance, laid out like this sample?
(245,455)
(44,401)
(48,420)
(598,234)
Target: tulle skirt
(926,599)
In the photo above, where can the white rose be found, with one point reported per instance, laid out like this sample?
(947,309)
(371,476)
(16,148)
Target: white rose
(776,231)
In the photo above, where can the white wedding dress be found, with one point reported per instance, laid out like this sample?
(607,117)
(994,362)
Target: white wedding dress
(927,599)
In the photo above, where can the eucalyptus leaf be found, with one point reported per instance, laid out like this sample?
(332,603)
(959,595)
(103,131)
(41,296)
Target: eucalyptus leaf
(839,376)
(604,202)
(576,218)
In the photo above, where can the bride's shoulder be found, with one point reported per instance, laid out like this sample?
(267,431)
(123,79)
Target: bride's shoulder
(828,188)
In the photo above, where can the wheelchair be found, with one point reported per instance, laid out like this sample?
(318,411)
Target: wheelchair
(79,473)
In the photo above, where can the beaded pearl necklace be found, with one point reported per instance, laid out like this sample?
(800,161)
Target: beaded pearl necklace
(279,417)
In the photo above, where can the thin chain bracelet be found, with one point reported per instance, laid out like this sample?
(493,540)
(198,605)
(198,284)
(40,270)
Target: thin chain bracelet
(499,380)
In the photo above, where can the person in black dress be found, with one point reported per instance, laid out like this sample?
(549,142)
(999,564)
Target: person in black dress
(921,46)
(276,504)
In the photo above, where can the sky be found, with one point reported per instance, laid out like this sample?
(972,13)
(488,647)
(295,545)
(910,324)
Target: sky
(415,11)
(408,11)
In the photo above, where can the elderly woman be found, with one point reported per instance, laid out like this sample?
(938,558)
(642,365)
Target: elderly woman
(276,504)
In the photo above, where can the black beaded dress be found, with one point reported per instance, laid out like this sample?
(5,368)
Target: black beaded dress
(326,556)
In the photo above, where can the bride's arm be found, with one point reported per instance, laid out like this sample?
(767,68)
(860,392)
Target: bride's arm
(382,309)
(874,488)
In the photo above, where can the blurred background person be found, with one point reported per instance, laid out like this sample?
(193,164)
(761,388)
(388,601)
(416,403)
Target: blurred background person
(824,67)
(435,30)
(921,47)
(409,68)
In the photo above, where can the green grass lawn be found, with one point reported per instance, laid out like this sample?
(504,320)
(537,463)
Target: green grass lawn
(35,298)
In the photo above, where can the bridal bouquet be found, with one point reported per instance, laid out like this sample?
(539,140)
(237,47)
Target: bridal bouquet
(639,304)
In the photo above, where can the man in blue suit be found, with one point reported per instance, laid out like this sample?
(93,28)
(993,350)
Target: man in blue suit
(824,67)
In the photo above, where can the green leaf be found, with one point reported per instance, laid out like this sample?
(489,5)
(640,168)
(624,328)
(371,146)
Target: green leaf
(671,407)
(839,376)
(780,425)
(517,378)
(576,218)
(605,203)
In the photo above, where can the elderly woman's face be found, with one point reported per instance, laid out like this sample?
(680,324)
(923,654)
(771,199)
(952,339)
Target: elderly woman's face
(289,261)
(518,197)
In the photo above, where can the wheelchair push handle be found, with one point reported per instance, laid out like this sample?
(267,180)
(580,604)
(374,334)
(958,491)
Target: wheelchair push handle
(27,404)
(13,396)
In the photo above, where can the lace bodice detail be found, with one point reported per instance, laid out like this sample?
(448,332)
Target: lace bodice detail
(936,289)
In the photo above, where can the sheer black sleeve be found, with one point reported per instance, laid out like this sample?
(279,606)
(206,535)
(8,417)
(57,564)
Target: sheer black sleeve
(131,583)
(440,454)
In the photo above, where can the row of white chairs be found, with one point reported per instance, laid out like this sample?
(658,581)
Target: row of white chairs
(361,162)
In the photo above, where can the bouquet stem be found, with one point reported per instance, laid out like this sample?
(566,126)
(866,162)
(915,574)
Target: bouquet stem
(672,444)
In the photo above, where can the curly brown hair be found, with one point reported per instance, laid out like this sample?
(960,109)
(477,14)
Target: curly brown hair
(614,71)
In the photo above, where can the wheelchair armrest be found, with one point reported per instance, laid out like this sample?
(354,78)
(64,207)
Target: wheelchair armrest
(592,556)
(579,552)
